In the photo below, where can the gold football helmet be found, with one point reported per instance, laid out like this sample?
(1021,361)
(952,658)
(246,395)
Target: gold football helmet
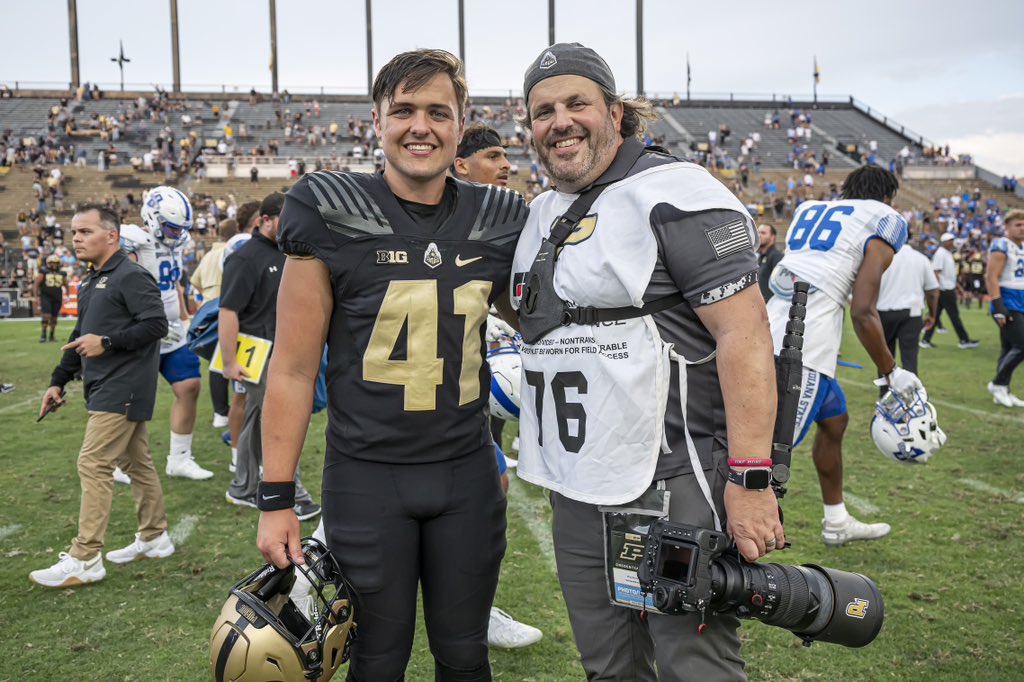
(261,636)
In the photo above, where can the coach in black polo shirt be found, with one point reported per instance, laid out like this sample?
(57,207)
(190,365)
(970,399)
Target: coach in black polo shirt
(116,346)
(248,305)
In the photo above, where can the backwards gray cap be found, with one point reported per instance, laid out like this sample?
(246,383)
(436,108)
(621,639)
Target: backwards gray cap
(568,59)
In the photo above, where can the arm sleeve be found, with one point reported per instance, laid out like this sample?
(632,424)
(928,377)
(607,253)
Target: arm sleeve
(70,362)
(1001,245)
(149,322)
(303,233)
(708,254)
(892,229)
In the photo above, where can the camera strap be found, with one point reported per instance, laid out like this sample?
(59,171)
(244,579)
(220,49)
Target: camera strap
(540,308)
(691,448)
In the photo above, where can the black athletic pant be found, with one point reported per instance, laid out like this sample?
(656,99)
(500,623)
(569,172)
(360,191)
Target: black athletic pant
(905,330)
(497,426)
(1011,337)
(219,393)
(947,302)
(394,527)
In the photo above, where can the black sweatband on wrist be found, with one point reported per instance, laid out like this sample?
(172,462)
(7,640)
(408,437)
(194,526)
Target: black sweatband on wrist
(999,308)
(275,496)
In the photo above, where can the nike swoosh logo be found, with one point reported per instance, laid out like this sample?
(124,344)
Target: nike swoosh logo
(459,262)
(270,497)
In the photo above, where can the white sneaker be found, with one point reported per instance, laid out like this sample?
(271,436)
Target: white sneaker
(159,547)
(219,420)
(69,571)
(505,632)
(837,535)
(1001,395)
(234,461)
(1017,402)
(121,477)
(515,443)
(186,467)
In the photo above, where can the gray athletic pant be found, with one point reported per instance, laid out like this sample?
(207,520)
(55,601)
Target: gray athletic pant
(1011,353)
(613,641)
(250,448)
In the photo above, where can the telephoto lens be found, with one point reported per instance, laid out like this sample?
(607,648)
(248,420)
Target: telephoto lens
(815,603)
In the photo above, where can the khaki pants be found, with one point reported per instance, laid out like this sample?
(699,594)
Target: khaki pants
(110,439)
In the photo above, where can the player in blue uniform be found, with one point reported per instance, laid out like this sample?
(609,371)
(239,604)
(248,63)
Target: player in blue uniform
(1006,281)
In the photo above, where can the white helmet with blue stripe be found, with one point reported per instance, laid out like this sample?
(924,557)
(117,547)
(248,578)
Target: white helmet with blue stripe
(906,431)
(506,373)
(167,215)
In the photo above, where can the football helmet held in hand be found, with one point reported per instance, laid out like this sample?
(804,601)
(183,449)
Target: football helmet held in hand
(167,215)
(261,636)
(906,431)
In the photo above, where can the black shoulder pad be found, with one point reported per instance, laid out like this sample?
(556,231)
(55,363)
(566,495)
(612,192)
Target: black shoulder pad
(346,203)
(501,214)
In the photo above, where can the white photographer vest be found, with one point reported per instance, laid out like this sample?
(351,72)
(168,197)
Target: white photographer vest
(594,396)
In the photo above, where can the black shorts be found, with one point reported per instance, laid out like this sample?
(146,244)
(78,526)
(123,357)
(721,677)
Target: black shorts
(398,527)
(50,306)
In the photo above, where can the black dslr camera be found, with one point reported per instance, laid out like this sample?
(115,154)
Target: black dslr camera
(688,569)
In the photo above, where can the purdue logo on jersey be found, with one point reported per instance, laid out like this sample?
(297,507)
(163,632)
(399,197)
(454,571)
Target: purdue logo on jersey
(385,257)
(583,231)
(432,257)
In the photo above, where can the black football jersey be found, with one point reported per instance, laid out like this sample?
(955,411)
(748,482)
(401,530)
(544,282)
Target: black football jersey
(52,283)
(406,376)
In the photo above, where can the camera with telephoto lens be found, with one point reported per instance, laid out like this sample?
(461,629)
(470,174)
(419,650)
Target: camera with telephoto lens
(689,569)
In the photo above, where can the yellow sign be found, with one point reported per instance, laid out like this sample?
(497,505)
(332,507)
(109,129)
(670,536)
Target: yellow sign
(252,356)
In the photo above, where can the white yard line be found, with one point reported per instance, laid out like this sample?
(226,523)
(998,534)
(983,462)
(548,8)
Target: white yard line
(983,487)
(532,511)
(8,531)
(1016,419)
(181,532)
(14,407)
(860,504)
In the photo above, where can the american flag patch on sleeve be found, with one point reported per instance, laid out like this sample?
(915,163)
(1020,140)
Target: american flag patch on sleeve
(729,238)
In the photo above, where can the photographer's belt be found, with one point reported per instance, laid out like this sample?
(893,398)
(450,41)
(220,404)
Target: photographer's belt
(541,309)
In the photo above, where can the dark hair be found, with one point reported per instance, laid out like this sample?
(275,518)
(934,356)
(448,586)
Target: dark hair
(870,182)
(414,69)
(245,213)
(477,137)
(108,218)
(770,227)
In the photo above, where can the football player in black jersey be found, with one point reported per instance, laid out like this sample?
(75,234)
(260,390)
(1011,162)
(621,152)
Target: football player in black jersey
(396,272)
(49,287)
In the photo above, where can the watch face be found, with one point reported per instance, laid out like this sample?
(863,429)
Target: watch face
(758,479)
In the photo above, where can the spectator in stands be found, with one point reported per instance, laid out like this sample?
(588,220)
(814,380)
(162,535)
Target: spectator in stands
(254,174)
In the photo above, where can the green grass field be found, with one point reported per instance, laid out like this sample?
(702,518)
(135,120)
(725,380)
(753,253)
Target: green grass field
(948,572)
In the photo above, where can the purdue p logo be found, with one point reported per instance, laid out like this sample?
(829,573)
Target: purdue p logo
(858,608)
(582,232)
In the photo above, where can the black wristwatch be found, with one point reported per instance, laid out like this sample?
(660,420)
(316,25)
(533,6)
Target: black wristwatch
(755,478)
(107,343)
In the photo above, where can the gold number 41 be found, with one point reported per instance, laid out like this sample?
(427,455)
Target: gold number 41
(414,305)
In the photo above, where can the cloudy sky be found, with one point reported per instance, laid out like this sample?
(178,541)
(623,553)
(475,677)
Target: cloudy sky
(951,71)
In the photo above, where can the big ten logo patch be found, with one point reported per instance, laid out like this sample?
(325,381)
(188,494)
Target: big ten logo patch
(385,257)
